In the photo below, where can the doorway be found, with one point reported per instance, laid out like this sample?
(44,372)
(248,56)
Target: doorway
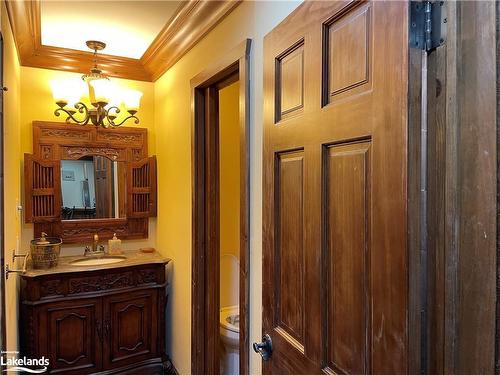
(211,214)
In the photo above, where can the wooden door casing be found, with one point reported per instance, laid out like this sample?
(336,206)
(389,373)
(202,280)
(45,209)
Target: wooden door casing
(335,279)
(69,336)
(130,328)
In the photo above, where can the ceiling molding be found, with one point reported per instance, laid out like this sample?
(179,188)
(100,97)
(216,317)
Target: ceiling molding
(192,21)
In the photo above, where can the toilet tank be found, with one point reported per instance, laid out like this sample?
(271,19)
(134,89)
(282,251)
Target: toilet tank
(229,280)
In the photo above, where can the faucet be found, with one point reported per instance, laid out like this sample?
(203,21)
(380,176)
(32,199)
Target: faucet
(96,248)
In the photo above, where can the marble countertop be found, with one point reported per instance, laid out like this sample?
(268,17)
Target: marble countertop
(133,258)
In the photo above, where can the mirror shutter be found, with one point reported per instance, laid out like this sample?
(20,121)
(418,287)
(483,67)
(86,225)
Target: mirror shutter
(142,188)
(43,189)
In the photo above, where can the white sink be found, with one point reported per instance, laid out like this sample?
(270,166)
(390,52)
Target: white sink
(97,261)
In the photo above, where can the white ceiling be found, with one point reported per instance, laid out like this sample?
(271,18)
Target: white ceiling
(127,27)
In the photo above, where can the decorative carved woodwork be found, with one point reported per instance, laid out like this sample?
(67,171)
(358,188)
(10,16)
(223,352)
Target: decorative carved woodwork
(49,288)
(78,152)
(117,325)
(193,20)
(53,142)
(42,182)
(142,188)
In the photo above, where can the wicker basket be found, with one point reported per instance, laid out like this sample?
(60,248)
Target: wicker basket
(45,251)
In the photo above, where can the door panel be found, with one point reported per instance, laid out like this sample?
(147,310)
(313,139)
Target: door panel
(70,336)
(129,328)
(347,272)
(334,256)
(290,267)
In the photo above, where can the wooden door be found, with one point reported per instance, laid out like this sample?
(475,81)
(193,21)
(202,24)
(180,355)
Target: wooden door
(334,258)
(130,328)
(70,335)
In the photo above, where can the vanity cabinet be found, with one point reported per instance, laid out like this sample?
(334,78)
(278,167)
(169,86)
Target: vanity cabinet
(109,321)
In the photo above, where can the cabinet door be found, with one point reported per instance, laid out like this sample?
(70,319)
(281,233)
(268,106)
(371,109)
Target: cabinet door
(70,336)
(130,328)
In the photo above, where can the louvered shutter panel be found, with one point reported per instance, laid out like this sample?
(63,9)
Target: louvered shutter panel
(142,188)
(43,189)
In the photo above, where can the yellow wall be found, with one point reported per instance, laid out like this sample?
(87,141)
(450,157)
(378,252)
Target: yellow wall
(38,104)
(251,19)
(229,169)
(12,173)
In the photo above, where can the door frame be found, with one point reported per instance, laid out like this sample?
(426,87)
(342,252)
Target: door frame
(3,328)
(453,211)
(205,209)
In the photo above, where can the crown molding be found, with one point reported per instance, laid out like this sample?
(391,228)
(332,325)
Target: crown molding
(192,21)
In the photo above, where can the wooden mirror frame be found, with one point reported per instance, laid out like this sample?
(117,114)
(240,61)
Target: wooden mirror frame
(55,141)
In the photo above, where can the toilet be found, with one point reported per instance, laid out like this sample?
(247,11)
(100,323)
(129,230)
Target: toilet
(229,322)
(230,338)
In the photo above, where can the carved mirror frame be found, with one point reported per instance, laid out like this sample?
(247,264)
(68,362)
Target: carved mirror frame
(55,141)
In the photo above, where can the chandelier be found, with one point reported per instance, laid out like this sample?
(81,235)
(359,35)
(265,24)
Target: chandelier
(104,98)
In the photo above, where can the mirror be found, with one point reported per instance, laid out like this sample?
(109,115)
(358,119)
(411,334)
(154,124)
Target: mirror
(85,180)
(92,187)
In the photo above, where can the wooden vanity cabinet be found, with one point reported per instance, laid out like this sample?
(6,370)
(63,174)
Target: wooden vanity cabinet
(97,322)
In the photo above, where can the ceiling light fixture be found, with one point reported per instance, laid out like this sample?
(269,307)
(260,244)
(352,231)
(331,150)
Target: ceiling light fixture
(103,97)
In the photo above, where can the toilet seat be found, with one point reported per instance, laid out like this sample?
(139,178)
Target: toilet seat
(229,318)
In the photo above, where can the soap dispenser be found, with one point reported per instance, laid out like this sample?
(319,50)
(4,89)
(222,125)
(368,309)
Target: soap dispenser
(114,245)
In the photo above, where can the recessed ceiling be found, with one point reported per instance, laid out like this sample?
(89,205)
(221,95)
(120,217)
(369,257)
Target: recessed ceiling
(127,27)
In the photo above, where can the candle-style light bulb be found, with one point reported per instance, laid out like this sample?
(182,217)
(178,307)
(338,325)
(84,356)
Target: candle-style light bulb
(132,100)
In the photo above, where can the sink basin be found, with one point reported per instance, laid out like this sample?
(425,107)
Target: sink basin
(98,261)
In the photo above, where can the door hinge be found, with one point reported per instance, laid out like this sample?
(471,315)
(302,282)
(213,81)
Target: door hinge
(427,24)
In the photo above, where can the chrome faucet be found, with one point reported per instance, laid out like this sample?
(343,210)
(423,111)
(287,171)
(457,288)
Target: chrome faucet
(96,248)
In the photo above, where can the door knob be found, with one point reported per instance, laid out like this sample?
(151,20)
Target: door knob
(264,348)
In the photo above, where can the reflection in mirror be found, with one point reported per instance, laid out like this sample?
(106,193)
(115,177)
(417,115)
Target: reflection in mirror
(90,188)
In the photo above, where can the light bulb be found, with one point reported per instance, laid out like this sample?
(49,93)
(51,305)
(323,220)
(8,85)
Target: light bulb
(67,91)
(75,93)
(132,99)
(59,90)
(102,91)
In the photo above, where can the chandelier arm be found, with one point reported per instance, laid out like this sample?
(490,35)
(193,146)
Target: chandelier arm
(81,108)
(124,120)
(110,116)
